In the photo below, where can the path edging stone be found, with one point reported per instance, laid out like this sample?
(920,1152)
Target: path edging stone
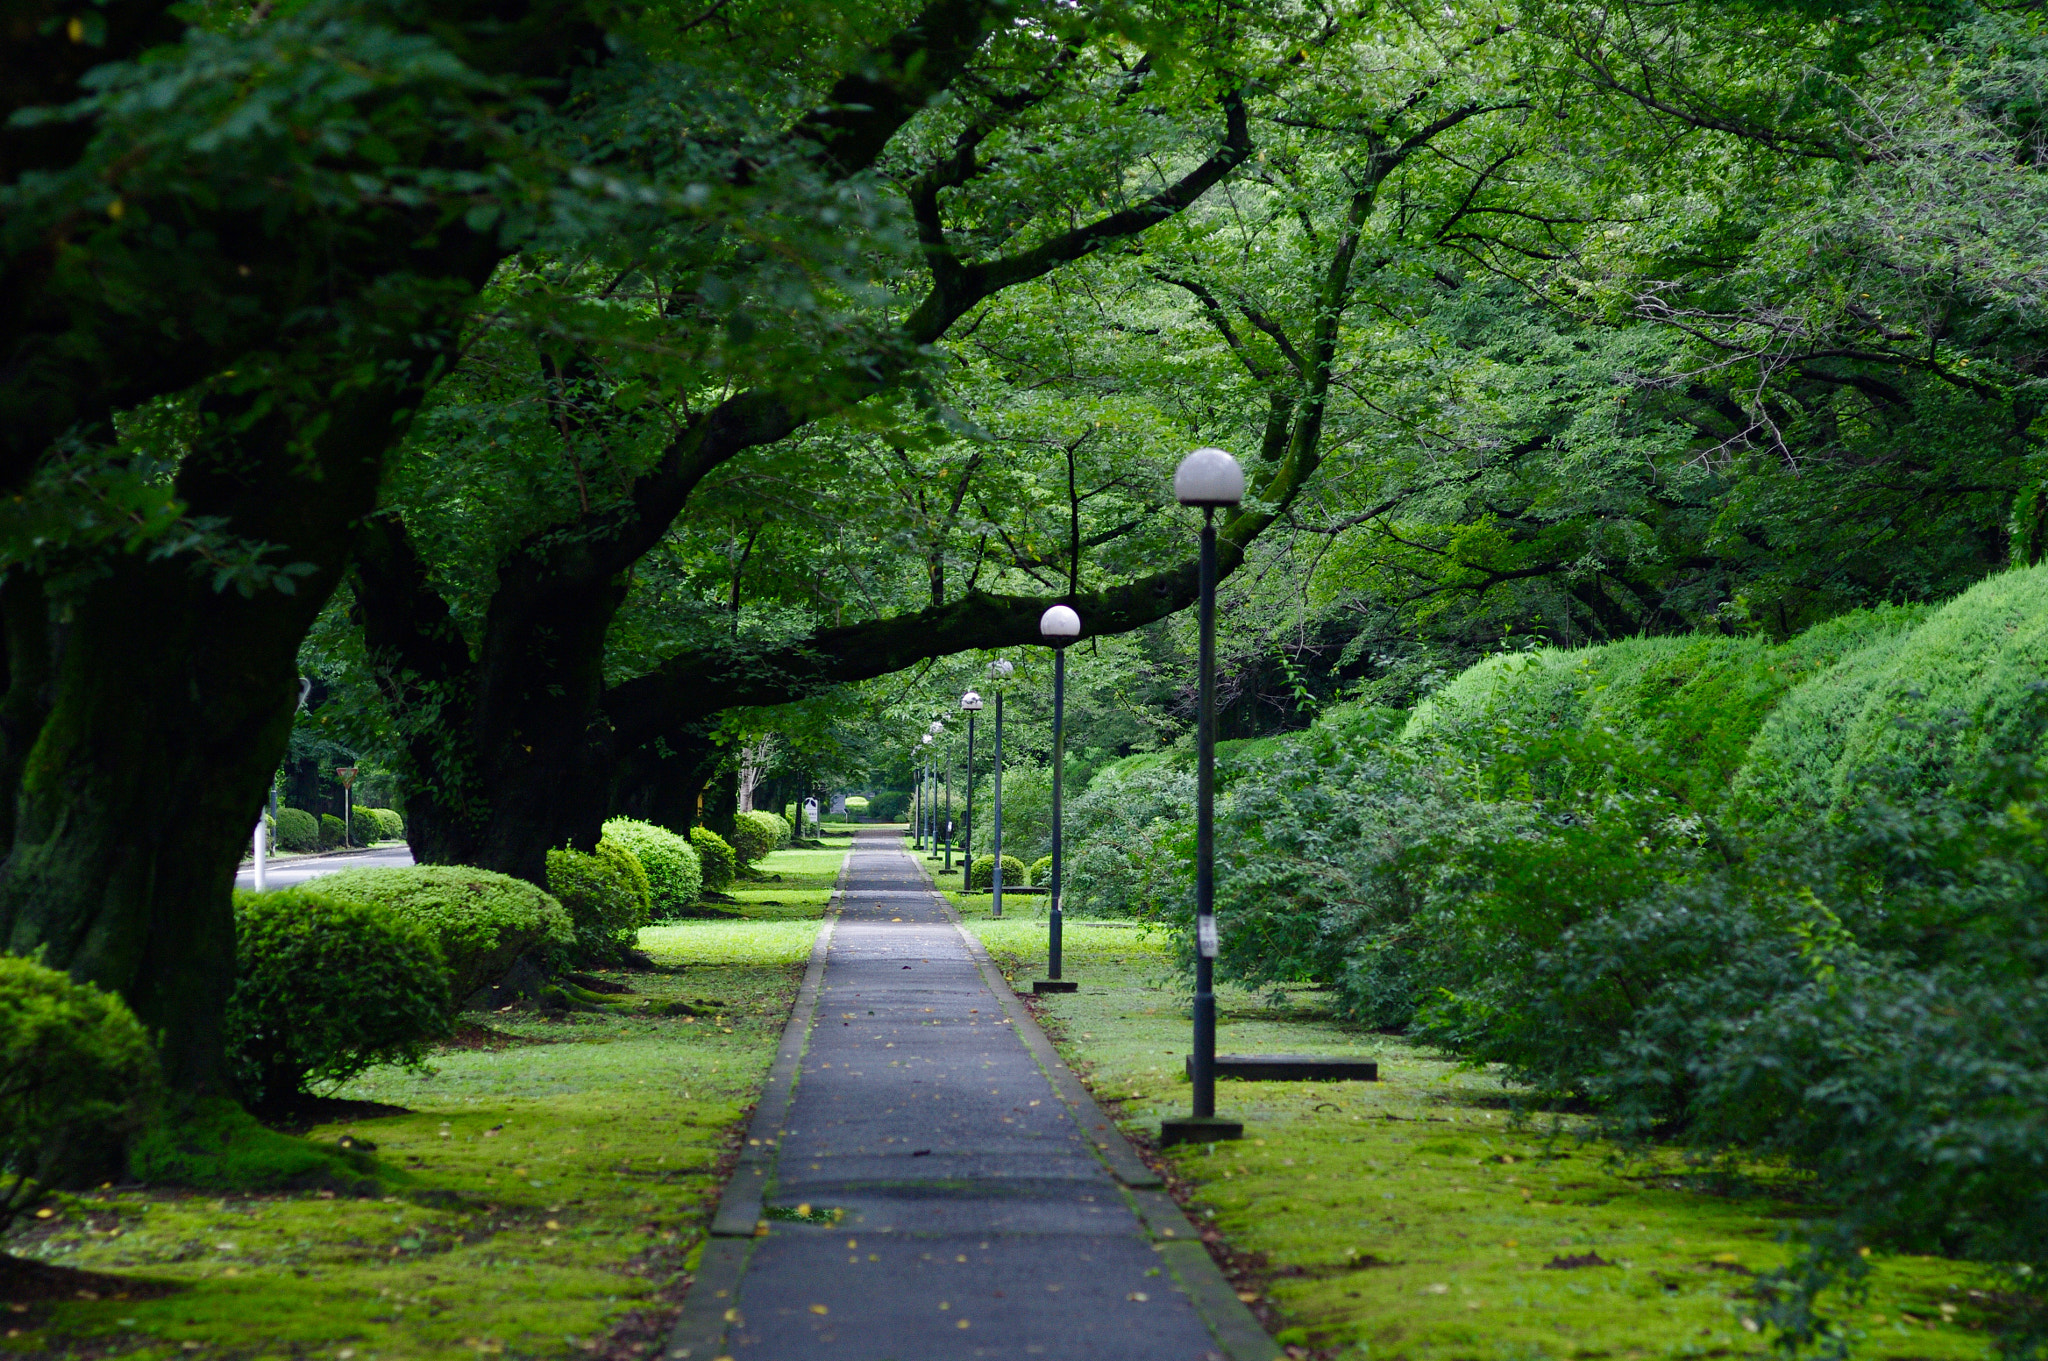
(1176,1237)
(708,1307)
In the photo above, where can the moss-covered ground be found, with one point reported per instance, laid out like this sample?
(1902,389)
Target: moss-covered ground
(544,1191)
(1416,1217)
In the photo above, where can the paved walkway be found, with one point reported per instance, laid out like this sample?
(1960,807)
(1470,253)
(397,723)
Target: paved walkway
(974,1218)
(290,873)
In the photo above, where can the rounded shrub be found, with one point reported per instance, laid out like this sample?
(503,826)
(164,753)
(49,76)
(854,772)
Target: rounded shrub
(78,1075)
(365,828)
(325,988)
(674,875)
(297,830)
(983,876)
(715,854)
(856,808)
(390,826)
(479,920)
(606,896)
(777,825)
(1041,872)
(332,833)
(752,838)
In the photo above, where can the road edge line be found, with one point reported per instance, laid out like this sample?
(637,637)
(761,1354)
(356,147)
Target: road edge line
(1235,1328)
(712,1301)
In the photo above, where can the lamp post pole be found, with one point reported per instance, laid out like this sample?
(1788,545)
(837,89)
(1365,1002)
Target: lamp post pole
(1207,478)
(999,670)
(1058,626)
(946,781)
(971,704)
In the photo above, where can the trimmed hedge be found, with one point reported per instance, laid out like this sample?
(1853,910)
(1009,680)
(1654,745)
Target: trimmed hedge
(607,898)
(77,1076)
(717,858)
(982,876)
(389,825)
(332,832)
(297,830)
(752,838)
(675,877)
(856,808)
(480,921)
(325,988)
(777,825)
(1041,872)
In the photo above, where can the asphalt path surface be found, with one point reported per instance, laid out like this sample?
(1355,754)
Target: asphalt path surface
(291,873)
(932,1199)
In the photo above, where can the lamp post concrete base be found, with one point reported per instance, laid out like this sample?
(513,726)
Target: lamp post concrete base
(1198,1129)
(1042,986)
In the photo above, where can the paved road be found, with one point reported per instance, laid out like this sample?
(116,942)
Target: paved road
(975,1221)
(291,873)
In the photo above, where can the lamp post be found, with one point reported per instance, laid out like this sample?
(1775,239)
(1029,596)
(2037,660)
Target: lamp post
(1058,626)
(928,782)
(970,704)
(936,731)
(946,781)
(1207,478)
(999,671)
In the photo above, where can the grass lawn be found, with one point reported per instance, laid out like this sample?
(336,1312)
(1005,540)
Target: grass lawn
(799,882)
(546,1185)
(1414,1218)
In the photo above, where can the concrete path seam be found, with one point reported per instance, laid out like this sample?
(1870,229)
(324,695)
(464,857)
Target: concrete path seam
(707,1308)
(1176,1237)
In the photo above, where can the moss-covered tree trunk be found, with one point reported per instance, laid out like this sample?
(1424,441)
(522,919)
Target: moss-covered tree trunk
(145,714)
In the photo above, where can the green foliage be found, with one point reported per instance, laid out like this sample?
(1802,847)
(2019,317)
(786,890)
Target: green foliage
(856,807)
(480,922)
(390,826)
(1027,810)
(891,805)
(982,877)
(1041,871)
(752,837)
(1126,840)
(325,987)
(777,825)
(606,895)
(365,828)
(297,830)
(1776,899)
(675,877)
(333,833)
(716,856)
(78,1075)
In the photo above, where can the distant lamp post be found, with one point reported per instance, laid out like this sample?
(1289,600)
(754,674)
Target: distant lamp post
(1207,478)
(347,776)
(928,782)
(1058,626)
(970,704)
(933,736)
(999,671)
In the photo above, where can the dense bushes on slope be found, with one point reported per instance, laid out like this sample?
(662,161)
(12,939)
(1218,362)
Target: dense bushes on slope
(1762,897)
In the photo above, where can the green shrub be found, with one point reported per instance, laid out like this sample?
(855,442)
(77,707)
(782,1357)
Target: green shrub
(1041,872)
(856,808)
(365,828)
(777,825)
(389,825)
(480,921)
(891,805)
(717,858)
(332,832)
(1124,834)
(982,878)
(752,838)
(297,830)
(325,988)
(607,898)
(675,877)
(78,1075)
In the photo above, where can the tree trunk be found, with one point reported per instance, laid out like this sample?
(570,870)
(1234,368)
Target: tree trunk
(169,707)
